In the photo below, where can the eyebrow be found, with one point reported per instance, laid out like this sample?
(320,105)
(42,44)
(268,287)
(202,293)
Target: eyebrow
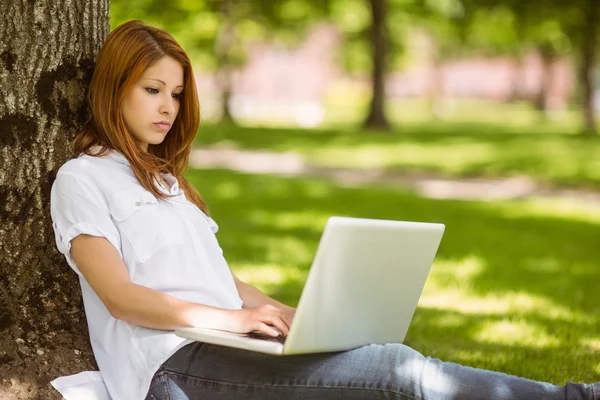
(158,80)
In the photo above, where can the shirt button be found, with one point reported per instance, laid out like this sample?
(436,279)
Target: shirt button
(137,203)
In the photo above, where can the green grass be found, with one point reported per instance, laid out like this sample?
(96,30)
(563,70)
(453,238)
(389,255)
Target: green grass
(514,287)
(349,110)
(477,142)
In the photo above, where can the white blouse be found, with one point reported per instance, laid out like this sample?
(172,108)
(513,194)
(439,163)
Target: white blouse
(169,246)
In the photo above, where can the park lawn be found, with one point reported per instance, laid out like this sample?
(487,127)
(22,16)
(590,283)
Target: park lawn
(514,287)
(515,143)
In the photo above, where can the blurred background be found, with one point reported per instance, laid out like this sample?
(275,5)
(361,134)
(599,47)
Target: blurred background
(312,63)
(479,114)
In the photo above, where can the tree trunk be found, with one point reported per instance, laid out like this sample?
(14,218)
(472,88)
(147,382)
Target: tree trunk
(47,55)
(379,42)
(588,65)
(226,115)
(224,44)
(521,19)
(548,58)
(435,92)
(517,93)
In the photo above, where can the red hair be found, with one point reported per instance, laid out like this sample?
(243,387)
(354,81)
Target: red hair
(126,53)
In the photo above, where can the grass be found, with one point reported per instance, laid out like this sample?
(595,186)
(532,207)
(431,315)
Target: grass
(514,287)
(481,140)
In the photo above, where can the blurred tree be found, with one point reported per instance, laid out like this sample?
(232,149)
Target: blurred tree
(379,34)
(589,48)
(47,55)
(537,26)
(444,22)
(216,33)
(511,27)
(555,28)
(224,44)
(373,41)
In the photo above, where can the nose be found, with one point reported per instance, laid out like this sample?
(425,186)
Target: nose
(168,106)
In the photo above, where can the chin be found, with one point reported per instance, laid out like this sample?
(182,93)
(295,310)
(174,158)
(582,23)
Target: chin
(156,139)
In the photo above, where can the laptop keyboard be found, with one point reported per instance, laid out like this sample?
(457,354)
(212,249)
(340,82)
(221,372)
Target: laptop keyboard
(262,336)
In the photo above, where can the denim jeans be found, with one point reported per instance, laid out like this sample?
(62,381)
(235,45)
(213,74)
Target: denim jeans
(392,371)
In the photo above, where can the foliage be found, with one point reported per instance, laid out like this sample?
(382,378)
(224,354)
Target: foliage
(513,287)
(550,25)
(458,26)
(483,140)
(198,24)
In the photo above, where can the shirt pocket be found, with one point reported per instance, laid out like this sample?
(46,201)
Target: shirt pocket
(149,225)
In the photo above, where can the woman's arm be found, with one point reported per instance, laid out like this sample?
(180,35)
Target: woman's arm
(103,268)
(252,297)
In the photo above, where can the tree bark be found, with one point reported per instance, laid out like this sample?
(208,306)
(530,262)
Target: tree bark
(224,44)
(521,15)
(517,92)
(47,55)
(587,66)
(379,43)
(548,58)
(436,84)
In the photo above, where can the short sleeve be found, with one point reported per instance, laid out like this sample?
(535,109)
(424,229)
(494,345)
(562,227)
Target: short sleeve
(77,207)
(212,224)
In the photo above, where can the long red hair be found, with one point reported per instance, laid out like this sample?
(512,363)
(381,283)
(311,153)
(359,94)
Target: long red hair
(126,53)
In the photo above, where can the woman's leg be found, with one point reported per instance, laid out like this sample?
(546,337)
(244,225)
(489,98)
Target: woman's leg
(393,371)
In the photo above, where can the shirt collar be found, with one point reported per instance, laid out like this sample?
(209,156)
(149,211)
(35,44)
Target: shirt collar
(172,182)
(112,154)
(115,155)
(120,158)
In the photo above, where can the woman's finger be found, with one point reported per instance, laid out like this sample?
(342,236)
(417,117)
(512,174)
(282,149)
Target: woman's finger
(287,321)
(278,323)
(266,329)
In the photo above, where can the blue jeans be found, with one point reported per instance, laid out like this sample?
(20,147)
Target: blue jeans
(392,371)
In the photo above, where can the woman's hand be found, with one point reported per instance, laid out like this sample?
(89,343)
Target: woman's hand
(266,319)
(289,312)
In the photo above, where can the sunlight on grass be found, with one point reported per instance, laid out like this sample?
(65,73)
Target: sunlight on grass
(266,276)
(472,357)
(284,250)
(449,284)
(386,155)
(481,139)
(456,273)
(513,288)
(591,343)
(228,190)
(554,158)
(307,219)
(351,110)
(511,303)
(517,332)
(567,208)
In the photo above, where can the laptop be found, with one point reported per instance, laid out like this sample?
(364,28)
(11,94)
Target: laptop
(363,288)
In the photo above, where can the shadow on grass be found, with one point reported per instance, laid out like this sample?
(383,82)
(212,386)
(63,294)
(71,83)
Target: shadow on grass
(285,138)
(552,262)
(458,337)
(462,149)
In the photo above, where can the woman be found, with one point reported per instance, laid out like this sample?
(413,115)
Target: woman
(140,239)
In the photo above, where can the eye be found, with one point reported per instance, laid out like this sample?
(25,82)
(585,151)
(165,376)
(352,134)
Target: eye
(152,90)
(178,96)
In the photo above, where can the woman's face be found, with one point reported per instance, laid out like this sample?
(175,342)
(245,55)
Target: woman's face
(152,104)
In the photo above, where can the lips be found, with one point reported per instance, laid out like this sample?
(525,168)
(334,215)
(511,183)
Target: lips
(162,125)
